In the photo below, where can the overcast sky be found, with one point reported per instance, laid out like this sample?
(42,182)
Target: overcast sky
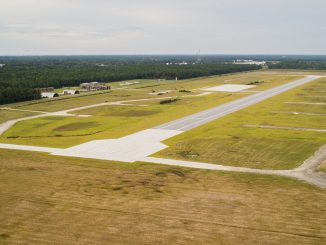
(39,27)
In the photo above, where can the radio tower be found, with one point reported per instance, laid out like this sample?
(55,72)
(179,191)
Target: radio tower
(198,59)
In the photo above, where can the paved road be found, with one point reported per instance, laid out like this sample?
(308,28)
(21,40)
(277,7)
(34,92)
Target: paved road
(306,172)
(209,115)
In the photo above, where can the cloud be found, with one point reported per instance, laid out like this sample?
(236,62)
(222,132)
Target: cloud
(146,26)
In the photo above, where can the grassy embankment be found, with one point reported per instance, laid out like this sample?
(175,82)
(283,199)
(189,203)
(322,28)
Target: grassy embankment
(228,141)
(47,199)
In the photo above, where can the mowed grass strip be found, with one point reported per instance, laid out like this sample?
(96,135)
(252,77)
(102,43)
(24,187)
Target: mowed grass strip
(226,141)
(6,115)
(46,199)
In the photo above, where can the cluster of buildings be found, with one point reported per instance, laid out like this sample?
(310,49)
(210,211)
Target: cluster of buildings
(94,86)
(49,92)
(183,63)
(52,94)
(249,62)
(101,65)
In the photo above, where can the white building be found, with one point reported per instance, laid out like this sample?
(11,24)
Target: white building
(249,62)
(70,92)
(49,95)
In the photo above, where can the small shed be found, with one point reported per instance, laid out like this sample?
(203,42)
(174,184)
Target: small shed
(71,92)
(49,95)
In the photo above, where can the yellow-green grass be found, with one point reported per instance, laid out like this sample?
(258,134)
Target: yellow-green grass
(106,121)
(69,102)
(55,200)
(227,141)
(322,167)
(270,79)
(299,72)
(145,87)
(137,83)
(6,115)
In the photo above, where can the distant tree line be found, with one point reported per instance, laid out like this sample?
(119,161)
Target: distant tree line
(20,79)
(299,64)
(16,94)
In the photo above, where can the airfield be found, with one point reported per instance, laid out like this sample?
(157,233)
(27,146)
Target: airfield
(215,132)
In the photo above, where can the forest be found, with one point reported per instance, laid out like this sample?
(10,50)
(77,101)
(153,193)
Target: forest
(299,64)
(21,77)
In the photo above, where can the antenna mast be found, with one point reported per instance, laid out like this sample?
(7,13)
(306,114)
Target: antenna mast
(198,58)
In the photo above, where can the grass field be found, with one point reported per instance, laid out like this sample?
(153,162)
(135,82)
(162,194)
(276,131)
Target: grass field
(228,142)
(322,167)
(6,115)
(56,200)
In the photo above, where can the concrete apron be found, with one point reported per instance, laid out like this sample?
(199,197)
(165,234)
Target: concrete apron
(131,148)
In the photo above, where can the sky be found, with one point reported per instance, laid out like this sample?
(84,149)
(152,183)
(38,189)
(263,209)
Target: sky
(104,27)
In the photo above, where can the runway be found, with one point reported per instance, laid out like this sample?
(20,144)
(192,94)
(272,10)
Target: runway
(203,117)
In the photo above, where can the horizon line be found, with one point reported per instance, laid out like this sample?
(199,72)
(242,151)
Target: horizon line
(158,54)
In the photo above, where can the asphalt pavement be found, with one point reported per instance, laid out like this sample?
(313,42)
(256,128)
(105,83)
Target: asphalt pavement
(203,117)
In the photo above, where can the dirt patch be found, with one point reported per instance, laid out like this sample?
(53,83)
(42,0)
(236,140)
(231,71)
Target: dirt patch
(286,128)
(305,103)
(53,118)
(298,113)
(132,113)
(76,126)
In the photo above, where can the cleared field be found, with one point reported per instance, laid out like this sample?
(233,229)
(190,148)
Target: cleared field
(46,200)
(228,142)
(6,115)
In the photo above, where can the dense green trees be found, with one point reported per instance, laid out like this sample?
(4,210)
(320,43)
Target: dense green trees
(299,64)
(16,94)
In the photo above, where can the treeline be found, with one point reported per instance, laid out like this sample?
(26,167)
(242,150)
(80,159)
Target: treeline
(20,79)
(16,94)
(299,64)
